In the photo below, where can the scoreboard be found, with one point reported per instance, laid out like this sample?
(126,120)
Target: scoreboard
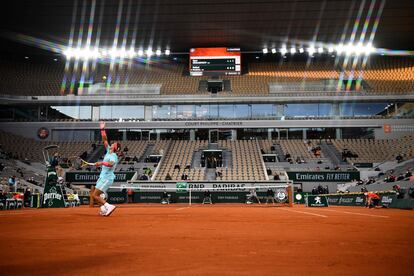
(215,61)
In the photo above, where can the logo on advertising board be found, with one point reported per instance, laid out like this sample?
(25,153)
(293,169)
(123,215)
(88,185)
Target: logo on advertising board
(359,200)
(346,200)
(90,177)
(317,201)
(181,187)
(50,196)
(386,200)
(333,199)
(281,195)
(323,176)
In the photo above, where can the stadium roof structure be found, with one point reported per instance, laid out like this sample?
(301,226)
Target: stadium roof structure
(183,24)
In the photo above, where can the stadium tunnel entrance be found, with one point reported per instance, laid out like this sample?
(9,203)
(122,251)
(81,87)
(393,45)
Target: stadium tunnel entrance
(212,159)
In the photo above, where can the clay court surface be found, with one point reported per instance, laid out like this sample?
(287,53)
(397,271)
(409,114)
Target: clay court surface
(207,240)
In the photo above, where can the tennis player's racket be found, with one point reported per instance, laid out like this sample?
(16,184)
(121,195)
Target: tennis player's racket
(76,162)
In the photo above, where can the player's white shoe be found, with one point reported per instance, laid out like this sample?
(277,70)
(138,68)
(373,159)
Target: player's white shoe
(102,210)
(109,210)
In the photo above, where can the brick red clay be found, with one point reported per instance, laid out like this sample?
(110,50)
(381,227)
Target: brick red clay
(207,240)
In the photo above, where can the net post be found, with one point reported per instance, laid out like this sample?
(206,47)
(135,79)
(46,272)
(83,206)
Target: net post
(189,196)
(91,200)
(290,193)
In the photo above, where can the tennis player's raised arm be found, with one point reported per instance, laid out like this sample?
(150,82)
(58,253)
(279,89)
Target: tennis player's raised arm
(103,134)
(104,163)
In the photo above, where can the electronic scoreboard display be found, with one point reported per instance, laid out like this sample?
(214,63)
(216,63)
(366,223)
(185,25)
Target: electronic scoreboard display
(215,61)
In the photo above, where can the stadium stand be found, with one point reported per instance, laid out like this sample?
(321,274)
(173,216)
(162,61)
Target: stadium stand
(247,163)
(134,148)
(23,148)
(178,159)
(382,74)
(376,151)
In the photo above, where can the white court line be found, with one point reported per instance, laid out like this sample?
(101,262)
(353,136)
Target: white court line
(182,208)
(12,214)
(301,212)
(360,214)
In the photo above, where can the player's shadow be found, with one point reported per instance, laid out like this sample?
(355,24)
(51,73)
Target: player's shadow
(67,264)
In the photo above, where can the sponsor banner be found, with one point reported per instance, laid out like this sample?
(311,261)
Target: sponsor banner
(336,176)
(388,199)
(181,187)
(347,200)
(185,186)
(84,200)
(52,194)
(197,197)
(91,177)
(359,199)
(228,192)
(407,203)
(316,201)
(117,197)
(300,197)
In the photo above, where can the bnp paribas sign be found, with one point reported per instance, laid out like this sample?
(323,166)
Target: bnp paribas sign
(323,176)
(90,177)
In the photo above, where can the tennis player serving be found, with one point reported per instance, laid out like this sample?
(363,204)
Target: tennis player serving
(107,176)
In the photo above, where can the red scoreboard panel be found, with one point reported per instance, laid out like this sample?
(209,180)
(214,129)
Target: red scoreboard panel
(215,61)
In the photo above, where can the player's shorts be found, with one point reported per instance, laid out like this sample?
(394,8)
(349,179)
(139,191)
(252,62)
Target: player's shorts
(104,183)
(375,201)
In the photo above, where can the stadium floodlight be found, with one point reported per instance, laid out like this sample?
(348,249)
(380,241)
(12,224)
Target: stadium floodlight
(158,52)
(68,53)
(77,53)
(149,52)
(320,50)
(113,53)
(301,50)
(293,50)
(359,49)
(123,53)
(349,49)
(311,50)
(140,52)
(369,49)
(265,50)
(167,52)
(273,51)
(330,49)
(131,53)
(340,48)
(95,54)
(283,50)
(104,53)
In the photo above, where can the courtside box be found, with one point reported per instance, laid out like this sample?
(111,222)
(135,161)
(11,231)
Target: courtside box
(316,201)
